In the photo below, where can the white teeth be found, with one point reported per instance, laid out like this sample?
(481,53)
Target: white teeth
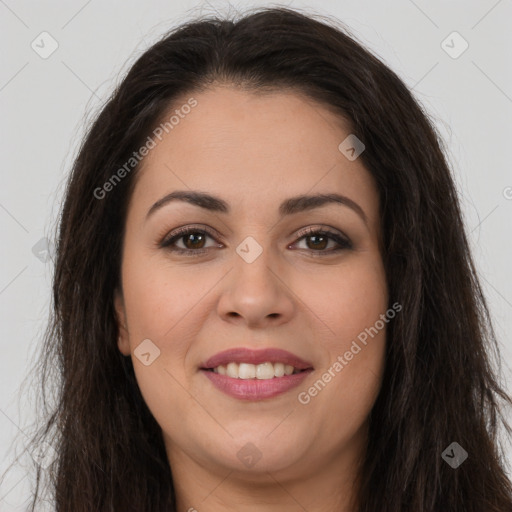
(288,370)
(232,370)
(278,369)
(263,371)
(247,371)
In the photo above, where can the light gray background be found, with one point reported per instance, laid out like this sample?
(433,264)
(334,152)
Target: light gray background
(44,102)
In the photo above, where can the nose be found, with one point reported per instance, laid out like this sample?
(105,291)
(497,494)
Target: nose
(256,293)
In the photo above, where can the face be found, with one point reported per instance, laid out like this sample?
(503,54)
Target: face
(255,275)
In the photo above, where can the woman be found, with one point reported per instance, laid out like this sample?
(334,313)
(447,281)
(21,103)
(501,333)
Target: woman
(264,296)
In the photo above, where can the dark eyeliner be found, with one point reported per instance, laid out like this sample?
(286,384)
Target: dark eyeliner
(180,233)
(343,242)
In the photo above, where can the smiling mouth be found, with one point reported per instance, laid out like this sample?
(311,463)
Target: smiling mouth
(263,371)
(246,382)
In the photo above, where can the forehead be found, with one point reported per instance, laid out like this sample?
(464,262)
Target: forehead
(231,121)
(253,150)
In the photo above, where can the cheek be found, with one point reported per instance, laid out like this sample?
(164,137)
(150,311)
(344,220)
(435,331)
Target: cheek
(360,331)
(164,304)
(361,299)
(346,299)
(158,296)
(350,303)
(156,313)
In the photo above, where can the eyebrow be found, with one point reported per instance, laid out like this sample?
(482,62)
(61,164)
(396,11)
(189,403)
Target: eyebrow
(289,206)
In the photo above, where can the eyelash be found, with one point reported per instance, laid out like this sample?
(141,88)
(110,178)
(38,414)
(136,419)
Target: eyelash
(344,243)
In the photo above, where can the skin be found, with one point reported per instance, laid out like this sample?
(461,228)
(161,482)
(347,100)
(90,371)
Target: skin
(254,151)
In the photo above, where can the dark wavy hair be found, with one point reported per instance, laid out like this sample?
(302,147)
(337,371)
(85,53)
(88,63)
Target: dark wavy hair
(440,384)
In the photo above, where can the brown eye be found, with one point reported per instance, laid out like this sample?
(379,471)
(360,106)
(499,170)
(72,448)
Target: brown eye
(317,241)
(192,239)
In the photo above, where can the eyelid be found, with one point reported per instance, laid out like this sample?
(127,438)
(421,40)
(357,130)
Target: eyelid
(320,228)
(333,234)
(182,231)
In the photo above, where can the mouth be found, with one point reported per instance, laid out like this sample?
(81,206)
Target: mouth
(263,371)
(255,374)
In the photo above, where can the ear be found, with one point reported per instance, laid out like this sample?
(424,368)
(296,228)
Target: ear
(123,341)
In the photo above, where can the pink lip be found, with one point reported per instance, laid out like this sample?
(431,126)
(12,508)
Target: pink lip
(245,355)
(255,389)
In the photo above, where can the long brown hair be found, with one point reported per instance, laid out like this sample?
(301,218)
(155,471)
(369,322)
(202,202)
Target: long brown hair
(439,385)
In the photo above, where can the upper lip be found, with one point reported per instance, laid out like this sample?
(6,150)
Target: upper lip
(245,355)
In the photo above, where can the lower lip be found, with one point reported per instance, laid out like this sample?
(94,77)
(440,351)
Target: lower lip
(255,389)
